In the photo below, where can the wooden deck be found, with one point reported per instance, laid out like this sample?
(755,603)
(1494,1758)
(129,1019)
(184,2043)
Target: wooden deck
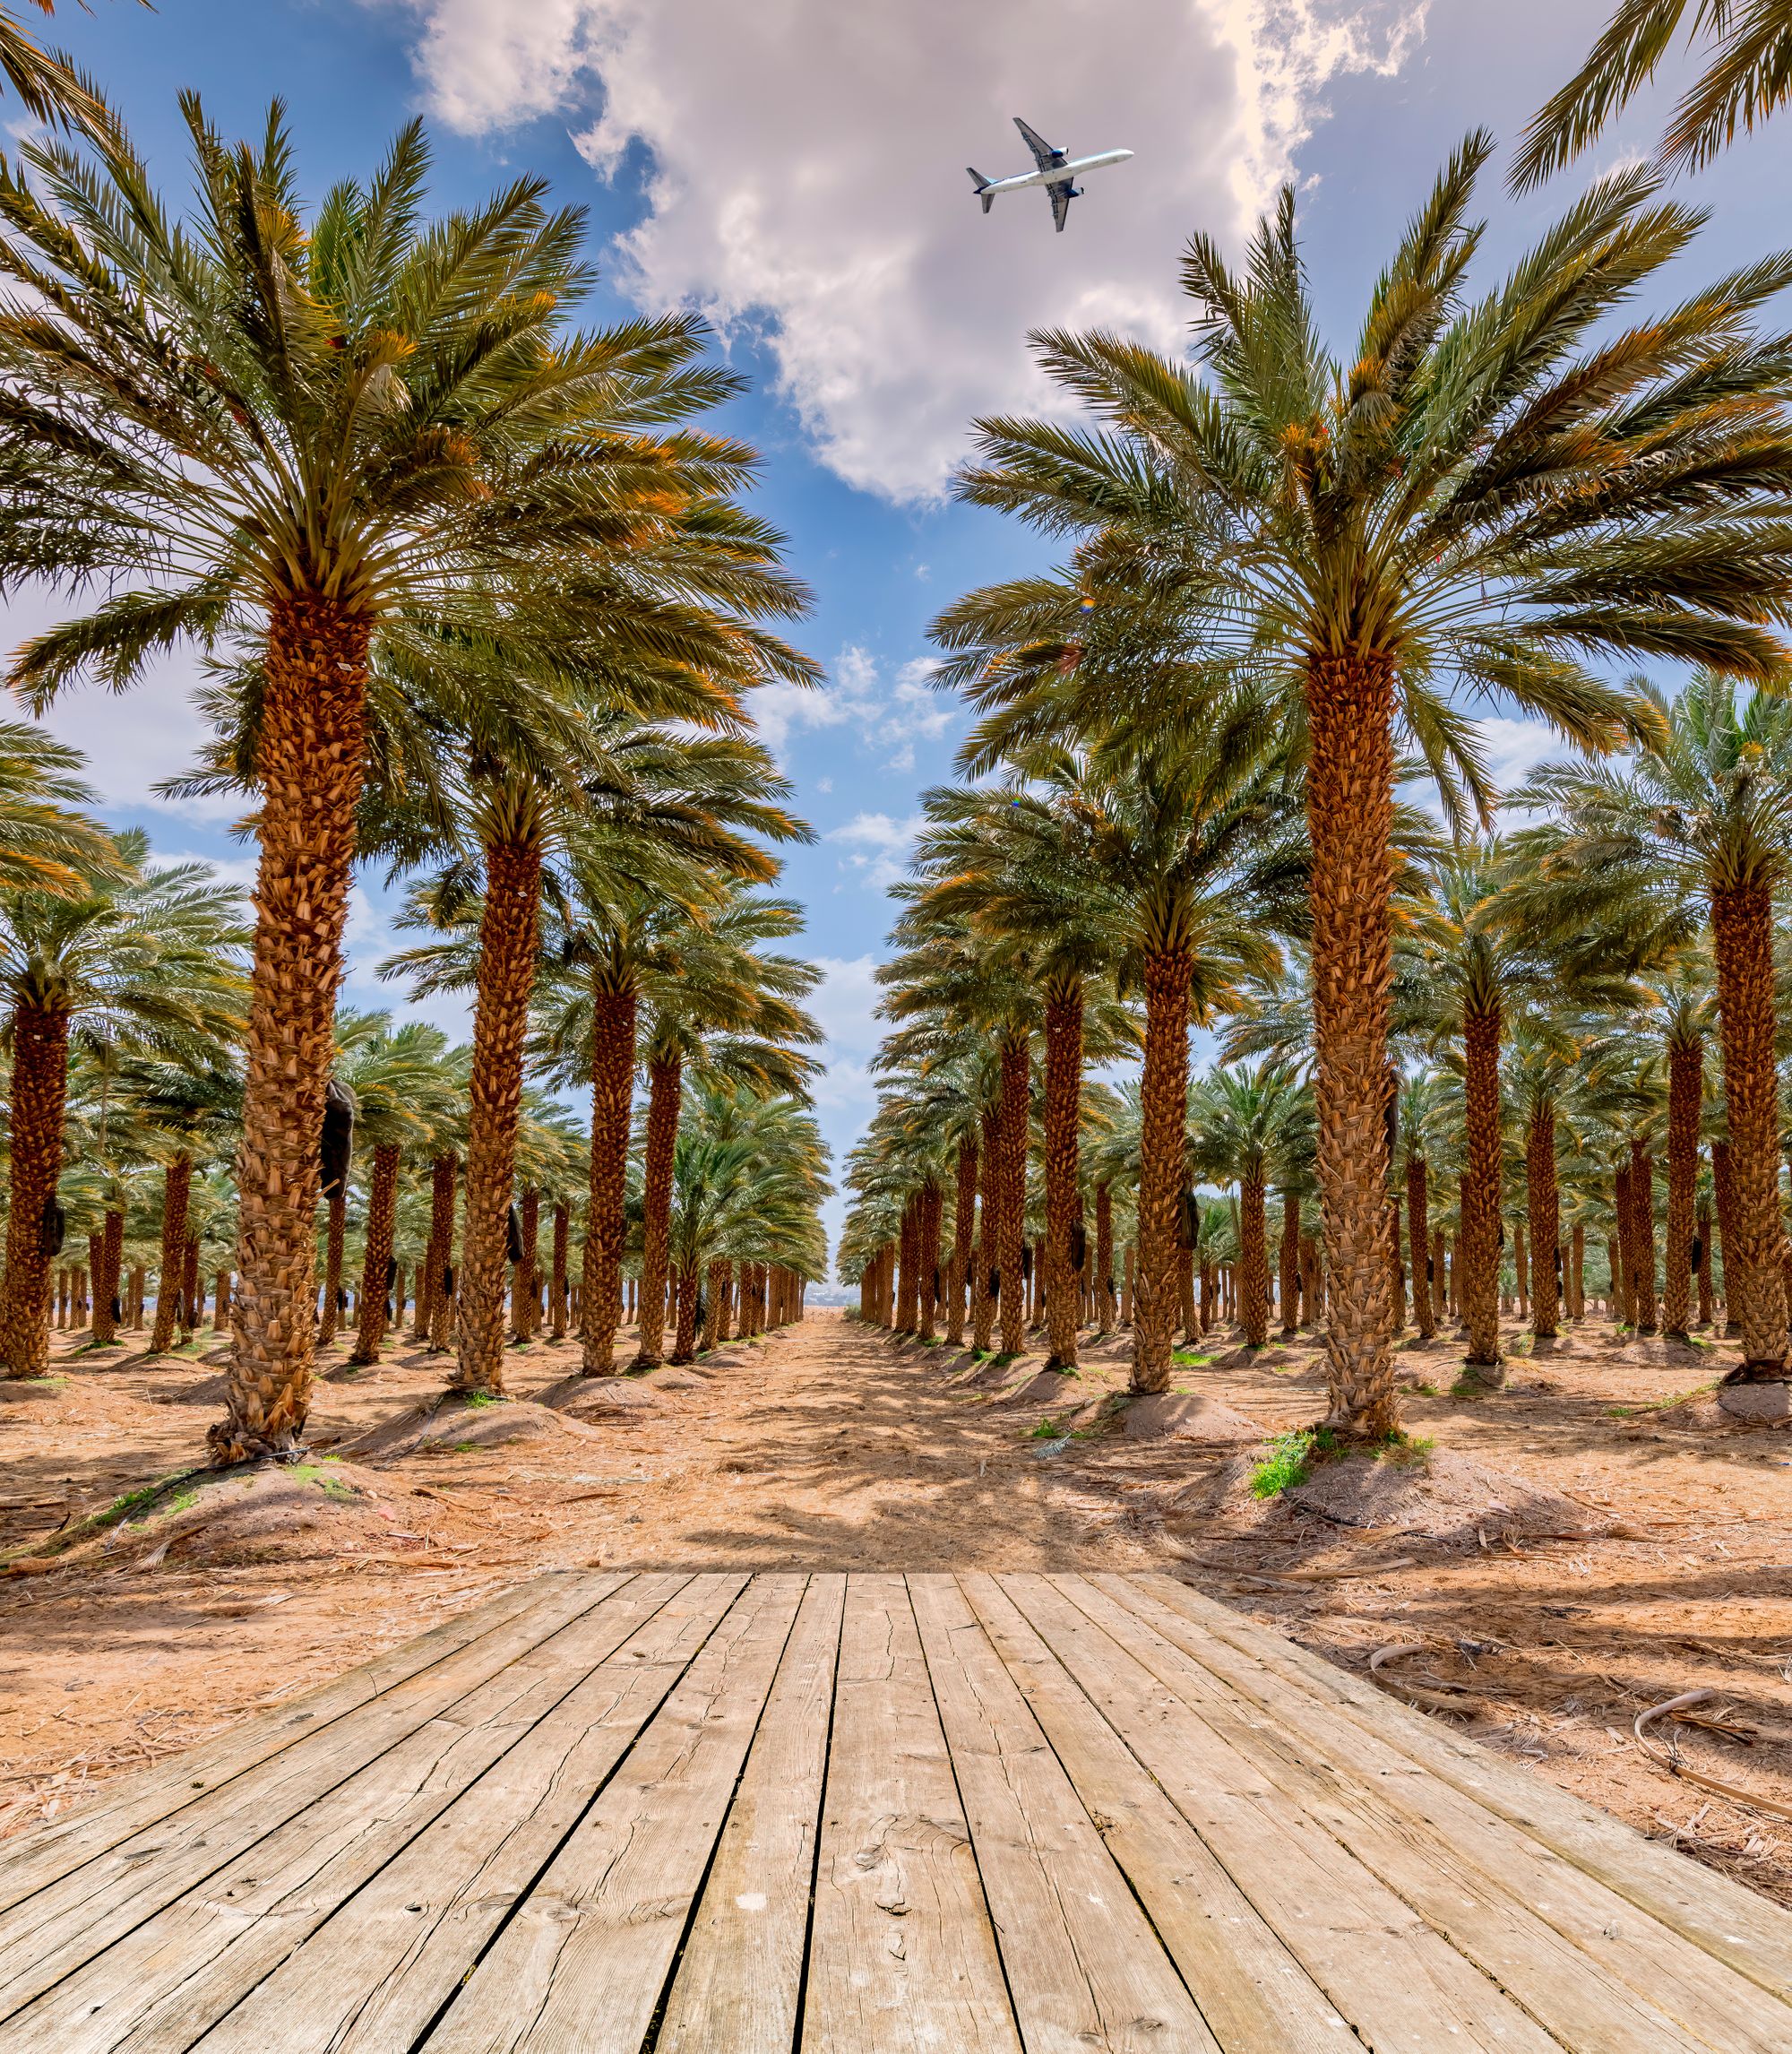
(732,1815)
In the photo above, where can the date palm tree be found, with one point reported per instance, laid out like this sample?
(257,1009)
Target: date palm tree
(1692,832)
(190,1114)
(149,964)
(403,1081)
(1483,493)
(1489,966)
(309,429)
(1017,862)
(1244,1120)
(1747,77)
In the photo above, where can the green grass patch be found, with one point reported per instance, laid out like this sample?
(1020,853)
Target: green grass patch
(482,1398)
(1294,1456)
(1184,1360)
(1663,1404)
(1289,1463)
(1047,1430)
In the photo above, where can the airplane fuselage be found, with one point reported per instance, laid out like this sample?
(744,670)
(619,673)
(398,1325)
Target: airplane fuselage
(1059,174)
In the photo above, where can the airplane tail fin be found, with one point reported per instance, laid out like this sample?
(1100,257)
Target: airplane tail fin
(982,184)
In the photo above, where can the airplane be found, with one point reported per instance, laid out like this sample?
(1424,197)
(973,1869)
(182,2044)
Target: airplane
(1057,173)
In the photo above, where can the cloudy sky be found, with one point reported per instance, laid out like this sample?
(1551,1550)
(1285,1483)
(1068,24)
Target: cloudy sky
(796,170)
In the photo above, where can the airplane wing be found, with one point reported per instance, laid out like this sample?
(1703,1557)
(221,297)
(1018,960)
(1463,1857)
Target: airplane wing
(1061,196)
(1044,155)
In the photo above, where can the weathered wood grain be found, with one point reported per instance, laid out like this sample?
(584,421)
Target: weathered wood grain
(1084,1969)
(1363,1788)
(902,1958)
(1404,1990)
(585,1960)
(741,1974)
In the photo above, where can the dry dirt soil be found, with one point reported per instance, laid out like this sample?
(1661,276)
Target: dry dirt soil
(1574,1549)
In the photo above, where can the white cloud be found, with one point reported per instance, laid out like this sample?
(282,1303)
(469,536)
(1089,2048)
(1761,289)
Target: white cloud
(877,846)
(806,175)
(1514,748)
(880,716)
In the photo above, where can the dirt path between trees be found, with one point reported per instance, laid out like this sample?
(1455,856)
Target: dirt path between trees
(829,1446)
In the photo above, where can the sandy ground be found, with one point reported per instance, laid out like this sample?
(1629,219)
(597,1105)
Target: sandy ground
(830,1446)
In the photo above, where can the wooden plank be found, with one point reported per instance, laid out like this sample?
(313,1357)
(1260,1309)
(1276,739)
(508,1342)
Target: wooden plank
(452,1821)
(53,1932)
(901,1957)
(585,1961)
(1725,1918)
(740,1976)
(1404,1990)
(36,1859)
(1480,1915)
(1085,1968)
(1255,1996)
(1341,1771)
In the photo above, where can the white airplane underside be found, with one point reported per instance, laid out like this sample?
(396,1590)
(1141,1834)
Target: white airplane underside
(1057,174)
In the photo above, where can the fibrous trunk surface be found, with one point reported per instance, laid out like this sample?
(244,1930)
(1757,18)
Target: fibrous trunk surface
(309,767)
(1063,1107)
(1543,1204)
(39,1097)
(1481,1182)
(1686,1087)
(664,1081)
(1011,1225)
(1163,1121)
(177,1189)
(1349,810)
(506,981)
(377,1265)
(1754,1284)
(613,1030)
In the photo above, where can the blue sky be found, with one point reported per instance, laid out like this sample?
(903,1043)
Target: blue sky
(796,168)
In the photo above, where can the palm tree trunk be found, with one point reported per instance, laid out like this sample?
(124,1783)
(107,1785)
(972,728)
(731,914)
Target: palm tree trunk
(613,1031)
(177,1187)
(1754,1285)
(309,767)
(506,981)
(108,1310)
(1163,1099)
(557,1286)
(1254,1263)
(1724,1192)
(526,1287)
(1543,1207)
(964,1221)
(983,1290)
(1349,811)
(40,1095)
(1640,1259)
(1107,1312)
(1064,1119)
(1418,1238)
(442,1278)
(1685,1088)
(1703,1267)
(715,1309)
(335,1232)
(190,1295)
(377,1261)
(685,1324)
(928,1264)
(907,1259)
(1011,1224)
(665,1083)
(1481,1199)
(1288,1279)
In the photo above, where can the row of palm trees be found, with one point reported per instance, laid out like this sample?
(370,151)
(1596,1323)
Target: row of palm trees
(1203,735)
(481,602)
(138,969)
